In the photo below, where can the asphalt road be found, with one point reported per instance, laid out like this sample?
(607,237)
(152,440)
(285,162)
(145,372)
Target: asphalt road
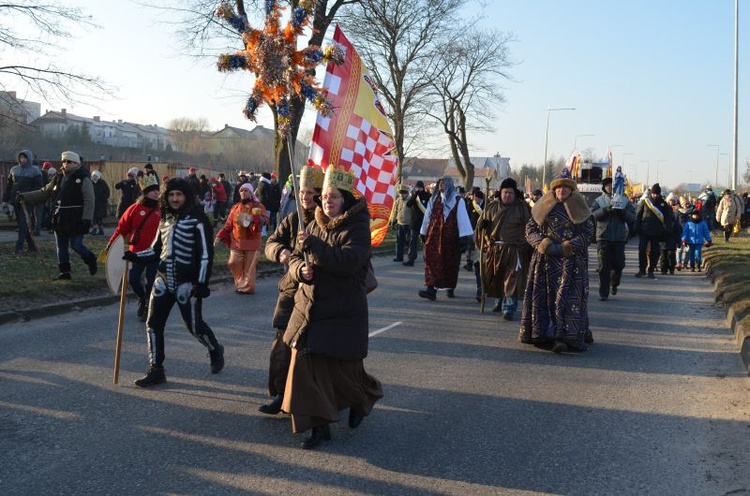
(659,405)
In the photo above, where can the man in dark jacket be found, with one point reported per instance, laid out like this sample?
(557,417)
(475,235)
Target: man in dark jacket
(611,236)
(417,202)
(129,190)
(23,178)
(101,202)
(652,222)
(72,195)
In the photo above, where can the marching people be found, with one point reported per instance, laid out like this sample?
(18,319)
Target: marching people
(668,257)
(279,248)
(129,191)
(72,194)
(729,211)
(328,328)
(418,204)
(534,197)
(242,235)
(555,306)
(694,234)
(401,222)
(138,225)
(445,226)
(101,203)
(653,220)
(185,257)
(219,194)
(611,236)
(501,232)
(22,178)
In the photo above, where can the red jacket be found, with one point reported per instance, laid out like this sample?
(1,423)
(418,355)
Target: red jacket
(220,194)
(133,220)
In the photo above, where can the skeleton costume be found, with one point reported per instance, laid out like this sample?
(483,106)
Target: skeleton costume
(185,252)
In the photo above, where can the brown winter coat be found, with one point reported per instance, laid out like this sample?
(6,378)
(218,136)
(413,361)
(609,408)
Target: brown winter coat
(330,315)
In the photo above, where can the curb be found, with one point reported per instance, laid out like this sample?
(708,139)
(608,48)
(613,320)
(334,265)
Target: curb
(741,332)
(43,311)
(26,314)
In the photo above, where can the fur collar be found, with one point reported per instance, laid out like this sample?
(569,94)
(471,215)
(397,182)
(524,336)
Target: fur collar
(328,224)
(575,206)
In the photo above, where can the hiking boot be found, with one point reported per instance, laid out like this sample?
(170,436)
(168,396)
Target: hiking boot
(142,308)
(91,262)
(318,435)
(430,295)
(217,359)
(408,263)
(154,376)
(64,272)
(614,290)
(273,407)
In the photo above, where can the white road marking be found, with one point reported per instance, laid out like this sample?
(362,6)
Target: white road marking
(383,329)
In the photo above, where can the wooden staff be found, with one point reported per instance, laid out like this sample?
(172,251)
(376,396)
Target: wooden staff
(487,180)
(120,322)
(295,185)
(38,246)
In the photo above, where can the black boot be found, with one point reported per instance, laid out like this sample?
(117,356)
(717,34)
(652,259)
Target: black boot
(64,271)
(273,407)
(154,376)
(319,434)
(142,308)
(429,293)
(91,262)
(217,359)
(450,294)
(355,418)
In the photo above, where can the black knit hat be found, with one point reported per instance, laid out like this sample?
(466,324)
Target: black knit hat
(509,182)
(656,188)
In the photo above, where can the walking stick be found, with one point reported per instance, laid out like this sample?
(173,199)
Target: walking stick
(487,179)
(120,322)
(295,185)
(33,239)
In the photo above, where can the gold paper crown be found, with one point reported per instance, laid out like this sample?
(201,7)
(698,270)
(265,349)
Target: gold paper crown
(311,177)
(148,180)
(339,178)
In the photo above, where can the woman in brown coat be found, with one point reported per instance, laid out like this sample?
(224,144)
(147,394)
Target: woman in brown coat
(328,329)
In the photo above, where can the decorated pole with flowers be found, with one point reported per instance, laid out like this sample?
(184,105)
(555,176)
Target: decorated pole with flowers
(281,70)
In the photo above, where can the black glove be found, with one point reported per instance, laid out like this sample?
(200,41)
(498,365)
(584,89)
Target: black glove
(484,225)
(201,290)
(85,226)
(129,256)
(708,244)
(19,197)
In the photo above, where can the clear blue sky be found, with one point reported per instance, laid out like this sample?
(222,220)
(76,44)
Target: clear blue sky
(655,77)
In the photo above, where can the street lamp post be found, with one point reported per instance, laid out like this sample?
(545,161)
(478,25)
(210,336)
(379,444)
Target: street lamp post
(716,174)
(546,141)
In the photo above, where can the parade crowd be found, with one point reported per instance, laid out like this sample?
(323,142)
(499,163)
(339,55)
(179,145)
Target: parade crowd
(528,254)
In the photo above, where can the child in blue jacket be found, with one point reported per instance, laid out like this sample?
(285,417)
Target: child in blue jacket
(694,233)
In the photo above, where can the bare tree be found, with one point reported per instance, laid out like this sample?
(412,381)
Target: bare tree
(467,89)
(187,133)
(30,27)
(397,41)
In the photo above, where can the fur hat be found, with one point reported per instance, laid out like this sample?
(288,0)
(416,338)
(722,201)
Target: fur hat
(606,181)
(311,177)
(508,182)
(339,178)
(656,188)
(177,184)
(563,179)
(96,175)
(72,156)
(671,197)
(133,172)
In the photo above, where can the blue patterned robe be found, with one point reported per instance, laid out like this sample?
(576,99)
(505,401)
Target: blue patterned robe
(555,306)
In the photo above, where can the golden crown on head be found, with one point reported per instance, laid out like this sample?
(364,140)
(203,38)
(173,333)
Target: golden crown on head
(148,180)
(339,178)
(311,177)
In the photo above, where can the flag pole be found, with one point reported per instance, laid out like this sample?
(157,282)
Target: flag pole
(295,185)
